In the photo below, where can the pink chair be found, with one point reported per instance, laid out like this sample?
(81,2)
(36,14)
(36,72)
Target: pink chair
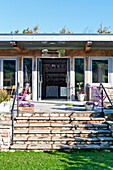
(21,98)
(97,95)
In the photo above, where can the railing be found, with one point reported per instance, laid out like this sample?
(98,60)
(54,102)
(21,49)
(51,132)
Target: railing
(103,90)
(12,111)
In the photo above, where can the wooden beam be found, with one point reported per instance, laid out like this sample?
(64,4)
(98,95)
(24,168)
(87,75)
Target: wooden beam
(88,46)
(15,45)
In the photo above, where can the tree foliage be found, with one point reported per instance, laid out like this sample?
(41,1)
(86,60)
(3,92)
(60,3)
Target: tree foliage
(103,30)
(31,31)
(34,30)
(64,30)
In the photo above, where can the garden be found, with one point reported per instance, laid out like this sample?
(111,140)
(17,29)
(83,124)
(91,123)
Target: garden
(80,160)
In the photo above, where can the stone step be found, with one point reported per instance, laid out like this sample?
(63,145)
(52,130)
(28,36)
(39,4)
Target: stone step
(104,125)
(25,131)
(90,146)
(94,139)
(5,122)
(45,138)
(61,118)
(32,125)
(35,138)
(92,131)
(43,118)
(57,125)
(54,147)
(31,147)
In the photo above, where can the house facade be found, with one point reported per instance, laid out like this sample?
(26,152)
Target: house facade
(53,64)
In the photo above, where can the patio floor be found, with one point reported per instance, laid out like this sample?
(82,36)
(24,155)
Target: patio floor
(60,106)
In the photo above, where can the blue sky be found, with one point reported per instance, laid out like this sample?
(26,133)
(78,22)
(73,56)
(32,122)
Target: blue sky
(79,16)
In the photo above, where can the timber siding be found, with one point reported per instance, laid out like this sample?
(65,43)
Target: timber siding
(71,53)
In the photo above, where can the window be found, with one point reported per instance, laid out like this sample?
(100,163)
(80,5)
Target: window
(27,71)
(9,71)
(79,72)
(100,71)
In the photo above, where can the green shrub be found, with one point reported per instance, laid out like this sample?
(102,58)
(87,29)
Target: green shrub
(4,96)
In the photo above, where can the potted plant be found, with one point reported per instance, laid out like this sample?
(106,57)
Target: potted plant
(60,53)
(80,94)
(27,95)
(89,105)
(26,107)
(4,101)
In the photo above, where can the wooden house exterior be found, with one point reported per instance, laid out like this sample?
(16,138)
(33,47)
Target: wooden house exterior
(54,63)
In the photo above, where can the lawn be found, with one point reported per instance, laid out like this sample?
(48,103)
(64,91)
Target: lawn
(84,160)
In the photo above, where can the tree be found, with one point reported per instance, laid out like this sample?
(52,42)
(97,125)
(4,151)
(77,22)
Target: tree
(102,30)
(65,31)
(31,31)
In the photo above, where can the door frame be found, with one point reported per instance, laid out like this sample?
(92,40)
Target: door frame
(67,57)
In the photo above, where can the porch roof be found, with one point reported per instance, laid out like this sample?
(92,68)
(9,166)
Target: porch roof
(57,41)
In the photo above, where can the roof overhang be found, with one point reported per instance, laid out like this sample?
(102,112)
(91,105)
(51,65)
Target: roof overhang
(57,41)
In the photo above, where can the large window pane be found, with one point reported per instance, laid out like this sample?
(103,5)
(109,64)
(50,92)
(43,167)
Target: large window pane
(100,71)
(9,70)
(79,73)
(27,71)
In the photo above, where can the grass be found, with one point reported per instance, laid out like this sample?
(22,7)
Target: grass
(80,160)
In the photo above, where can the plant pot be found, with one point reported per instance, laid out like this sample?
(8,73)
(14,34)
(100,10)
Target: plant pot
(89,107)
(28,97)
(80,96)
(26,108)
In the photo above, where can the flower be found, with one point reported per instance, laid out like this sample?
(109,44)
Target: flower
(81,92)
(26,105)
(89,103)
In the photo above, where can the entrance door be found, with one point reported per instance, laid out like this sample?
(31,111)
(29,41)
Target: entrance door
(53,78)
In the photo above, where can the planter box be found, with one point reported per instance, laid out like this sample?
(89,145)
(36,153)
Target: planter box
(26,108)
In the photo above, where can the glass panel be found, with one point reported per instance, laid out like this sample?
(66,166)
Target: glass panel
(27,71)
(100,71)
(79,73)
(9,70)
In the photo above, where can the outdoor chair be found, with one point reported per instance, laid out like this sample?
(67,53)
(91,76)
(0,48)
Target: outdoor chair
(22,97)
(97,95)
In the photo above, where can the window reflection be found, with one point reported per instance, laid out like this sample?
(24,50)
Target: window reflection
(79,73)
(27,71)
(100,71)
(9,70)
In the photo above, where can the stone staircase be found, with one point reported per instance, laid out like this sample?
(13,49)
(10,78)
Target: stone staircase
(61,130)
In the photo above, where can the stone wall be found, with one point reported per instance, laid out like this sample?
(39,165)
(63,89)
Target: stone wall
(5,138)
